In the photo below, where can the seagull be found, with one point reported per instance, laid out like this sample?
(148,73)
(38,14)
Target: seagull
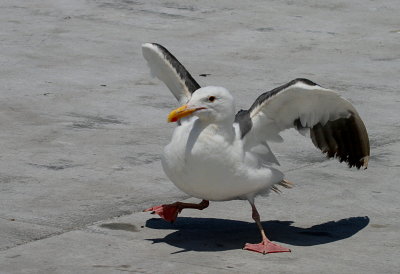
(216,154)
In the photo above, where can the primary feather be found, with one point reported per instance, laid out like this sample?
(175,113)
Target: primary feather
(168,69)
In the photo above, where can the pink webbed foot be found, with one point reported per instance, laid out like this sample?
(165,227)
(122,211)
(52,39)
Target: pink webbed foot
(167,212)
(266,247)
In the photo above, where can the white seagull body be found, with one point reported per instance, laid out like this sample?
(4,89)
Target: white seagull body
(216,154)
(210,161)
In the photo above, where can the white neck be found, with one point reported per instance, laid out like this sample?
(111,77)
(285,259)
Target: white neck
(223,128)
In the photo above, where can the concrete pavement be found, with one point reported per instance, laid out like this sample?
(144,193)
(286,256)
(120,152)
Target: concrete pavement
(83,126)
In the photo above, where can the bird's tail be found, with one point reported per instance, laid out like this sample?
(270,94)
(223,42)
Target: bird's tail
(284,183)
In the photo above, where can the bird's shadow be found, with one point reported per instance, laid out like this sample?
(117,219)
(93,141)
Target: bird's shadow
(209,234)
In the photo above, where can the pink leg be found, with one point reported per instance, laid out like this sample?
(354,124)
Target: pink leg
(170,212)
(266,246)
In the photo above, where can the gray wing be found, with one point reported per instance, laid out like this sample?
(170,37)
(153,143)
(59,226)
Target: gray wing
(168,69)
(334,124)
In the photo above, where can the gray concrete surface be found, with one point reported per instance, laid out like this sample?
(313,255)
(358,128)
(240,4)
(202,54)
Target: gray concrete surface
(83,126)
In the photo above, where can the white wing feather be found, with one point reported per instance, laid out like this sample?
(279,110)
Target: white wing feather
(334,124)
(168,69)
(310,104)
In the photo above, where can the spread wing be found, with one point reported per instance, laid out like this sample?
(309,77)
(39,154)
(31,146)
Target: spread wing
(168,69)
(333,123)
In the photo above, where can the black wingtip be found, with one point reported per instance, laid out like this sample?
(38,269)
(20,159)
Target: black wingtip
(345,139)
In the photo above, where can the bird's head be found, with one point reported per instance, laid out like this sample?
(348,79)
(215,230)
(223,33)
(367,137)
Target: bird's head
(210,104)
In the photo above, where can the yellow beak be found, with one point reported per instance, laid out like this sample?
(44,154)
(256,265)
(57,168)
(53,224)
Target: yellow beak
(181,112)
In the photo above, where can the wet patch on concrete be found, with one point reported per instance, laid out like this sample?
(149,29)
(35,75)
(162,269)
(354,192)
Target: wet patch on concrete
(132,6)
(142,159)
(146,82)
(308,158)
(180,7)
(93,121)
(9,182)
(7,179)
(329,6)
(152,101)
(385,59)
(120,226)
(378,226)
(378,141)
(381,157)
(302,48)
(59,165)
(13,256)
(105,266)
(121,4)
(122,268)
(321,32)
(165,14)
(266,29)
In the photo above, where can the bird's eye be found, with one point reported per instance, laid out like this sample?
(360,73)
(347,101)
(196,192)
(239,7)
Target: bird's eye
(211,98)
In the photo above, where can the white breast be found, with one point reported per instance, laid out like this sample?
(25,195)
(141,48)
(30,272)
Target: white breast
(208,165)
